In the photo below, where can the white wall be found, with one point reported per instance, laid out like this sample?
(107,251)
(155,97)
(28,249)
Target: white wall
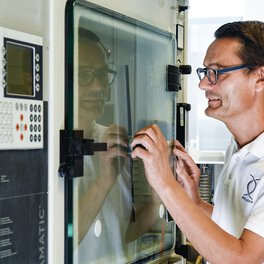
(24,15)
(55,70)
(249,9)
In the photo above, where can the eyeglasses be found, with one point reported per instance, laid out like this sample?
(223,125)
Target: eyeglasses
(104,76)
(212,74)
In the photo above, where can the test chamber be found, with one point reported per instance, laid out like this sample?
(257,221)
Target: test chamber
(29,208)
(127,222)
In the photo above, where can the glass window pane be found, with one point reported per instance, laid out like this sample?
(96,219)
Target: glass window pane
(117,218)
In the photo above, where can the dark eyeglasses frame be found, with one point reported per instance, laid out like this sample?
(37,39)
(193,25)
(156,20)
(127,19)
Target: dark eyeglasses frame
(218,72)
(96,75)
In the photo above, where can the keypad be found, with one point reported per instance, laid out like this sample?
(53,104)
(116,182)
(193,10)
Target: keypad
(21,124)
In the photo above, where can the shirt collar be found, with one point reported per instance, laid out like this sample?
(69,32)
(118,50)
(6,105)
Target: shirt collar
(255,147)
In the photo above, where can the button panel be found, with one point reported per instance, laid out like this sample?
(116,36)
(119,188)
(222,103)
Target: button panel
(21,124)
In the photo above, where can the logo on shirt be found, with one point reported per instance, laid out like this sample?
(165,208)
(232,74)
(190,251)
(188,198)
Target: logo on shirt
(251,187)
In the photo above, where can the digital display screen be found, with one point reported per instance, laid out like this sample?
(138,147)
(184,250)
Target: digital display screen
(19,69)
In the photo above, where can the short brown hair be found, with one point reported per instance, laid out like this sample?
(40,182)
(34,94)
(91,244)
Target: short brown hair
(251,36)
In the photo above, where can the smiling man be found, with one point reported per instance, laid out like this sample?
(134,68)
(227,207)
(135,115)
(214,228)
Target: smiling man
(104,199)
(231,230)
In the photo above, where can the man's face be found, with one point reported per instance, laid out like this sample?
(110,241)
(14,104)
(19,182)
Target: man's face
(233,95)
(92,94)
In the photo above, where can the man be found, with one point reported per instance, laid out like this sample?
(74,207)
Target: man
(231,231)
(104,201)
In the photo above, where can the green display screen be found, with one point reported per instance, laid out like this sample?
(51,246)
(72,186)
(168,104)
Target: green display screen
(19,69)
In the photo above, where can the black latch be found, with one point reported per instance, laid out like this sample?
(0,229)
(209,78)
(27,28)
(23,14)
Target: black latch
(72,149)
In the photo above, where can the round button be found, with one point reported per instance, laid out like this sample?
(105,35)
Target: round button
(37,87)
(10,138)
(10,106)
(5,138)
(37,57)
(98,228)
(6,106)
(161,211)
(10,118)
(3,50)
(37,77)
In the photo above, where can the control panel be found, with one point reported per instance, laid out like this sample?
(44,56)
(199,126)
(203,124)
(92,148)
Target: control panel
(21,90)
(21,124)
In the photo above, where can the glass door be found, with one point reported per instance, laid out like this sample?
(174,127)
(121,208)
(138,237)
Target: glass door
(116,84)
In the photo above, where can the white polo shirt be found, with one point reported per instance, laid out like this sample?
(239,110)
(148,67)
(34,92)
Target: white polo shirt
(239,195)
(104,241)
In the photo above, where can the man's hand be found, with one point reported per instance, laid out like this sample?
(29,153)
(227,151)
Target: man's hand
(112,161)
(188,173)
(150,145)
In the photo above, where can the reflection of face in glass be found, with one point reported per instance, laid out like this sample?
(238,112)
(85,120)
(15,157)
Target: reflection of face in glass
(93,71)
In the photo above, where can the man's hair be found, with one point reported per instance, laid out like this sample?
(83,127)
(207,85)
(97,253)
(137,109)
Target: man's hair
(87,35)
(251,36)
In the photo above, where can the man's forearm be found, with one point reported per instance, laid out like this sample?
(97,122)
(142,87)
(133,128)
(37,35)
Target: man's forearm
(207,237)
(206,208)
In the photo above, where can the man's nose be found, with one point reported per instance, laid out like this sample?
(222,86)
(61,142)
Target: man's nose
(205,84)
(97,85)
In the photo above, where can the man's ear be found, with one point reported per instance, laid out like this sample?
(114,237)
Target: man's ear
(260,79)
